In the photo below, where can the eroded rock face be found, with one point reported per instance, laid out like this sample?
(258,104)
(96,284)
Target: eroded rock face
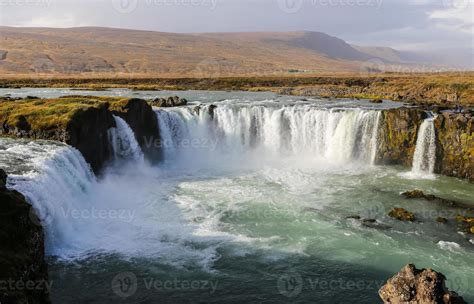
(87,131)
(398,135)
(141,118)
(22,251)
(415,286)
(455,134)
(454,140)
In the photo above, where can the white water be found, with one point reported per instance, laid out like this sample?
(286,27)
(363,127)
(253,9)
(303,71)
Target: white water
(264,213)
(337,136)
(424,159)
(123,142)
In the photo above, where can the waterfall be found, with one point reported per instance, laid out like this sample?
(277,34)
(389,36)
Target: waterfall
(300,130)
(425,153)
(56,178)
(123,142)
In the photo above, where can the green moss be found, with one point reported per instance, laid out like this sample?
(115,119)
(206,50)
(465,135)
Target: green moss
(48,114)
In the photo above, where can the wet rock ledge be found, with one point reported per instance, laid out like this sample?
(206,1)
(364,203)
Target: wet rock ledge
(82,122)
(23,271)
(418,286)
(454,140)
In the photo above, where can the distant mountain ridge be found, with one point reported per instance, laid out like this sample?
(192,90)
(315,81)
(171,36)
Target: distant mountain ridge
(89,50)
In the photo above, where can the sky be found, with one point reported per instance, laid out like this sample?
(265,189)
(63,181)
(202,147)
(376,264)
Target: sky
(435,25)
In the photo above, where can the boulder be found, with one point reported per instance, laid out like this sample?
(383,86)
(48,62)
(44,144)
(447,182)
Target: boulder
(415,286)
(376,101)
(465,224)
(173,101)
(402,215)
(22,260)
(413,194)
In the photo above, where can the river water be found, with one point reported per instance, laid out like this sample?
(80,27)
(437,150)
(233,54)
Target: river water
(249,206)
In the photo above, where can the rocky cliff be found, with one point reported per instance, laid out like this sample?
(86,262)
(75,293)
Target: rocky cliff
(454,140)
(82,122)
(87,131)
(141,118)
(23,271)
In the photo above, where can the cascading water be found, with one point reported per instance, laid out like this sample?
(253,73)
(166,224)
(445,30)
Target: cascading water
(425,153)
(336,135)
(55,178)
(123,142)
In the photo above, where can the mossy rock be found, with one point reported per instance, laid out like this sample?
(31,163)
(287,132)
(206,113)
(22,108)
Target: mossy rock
(402,215)
(413,194)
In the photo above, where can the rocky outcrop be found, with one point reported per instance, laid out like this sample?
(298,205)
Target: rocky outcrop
(141,118)
(87,131)
(415,286)
(455,135)
(402,215)
(83,122)
(173,101)
(454,140)
(397,136)
(23,271)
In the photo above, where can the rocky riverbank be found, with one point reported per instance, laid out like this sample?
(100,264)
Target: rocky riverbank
(23,270)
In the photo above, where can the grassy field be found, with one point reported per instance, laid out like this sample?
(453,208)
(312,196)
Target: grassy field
(444,88)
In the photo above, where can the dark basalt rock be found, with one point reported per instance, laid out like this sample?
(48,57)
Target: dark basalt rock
(87,131)
(442,220)
(173,101)
(141,118)
(415,286)
(23,271)
(418,194)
